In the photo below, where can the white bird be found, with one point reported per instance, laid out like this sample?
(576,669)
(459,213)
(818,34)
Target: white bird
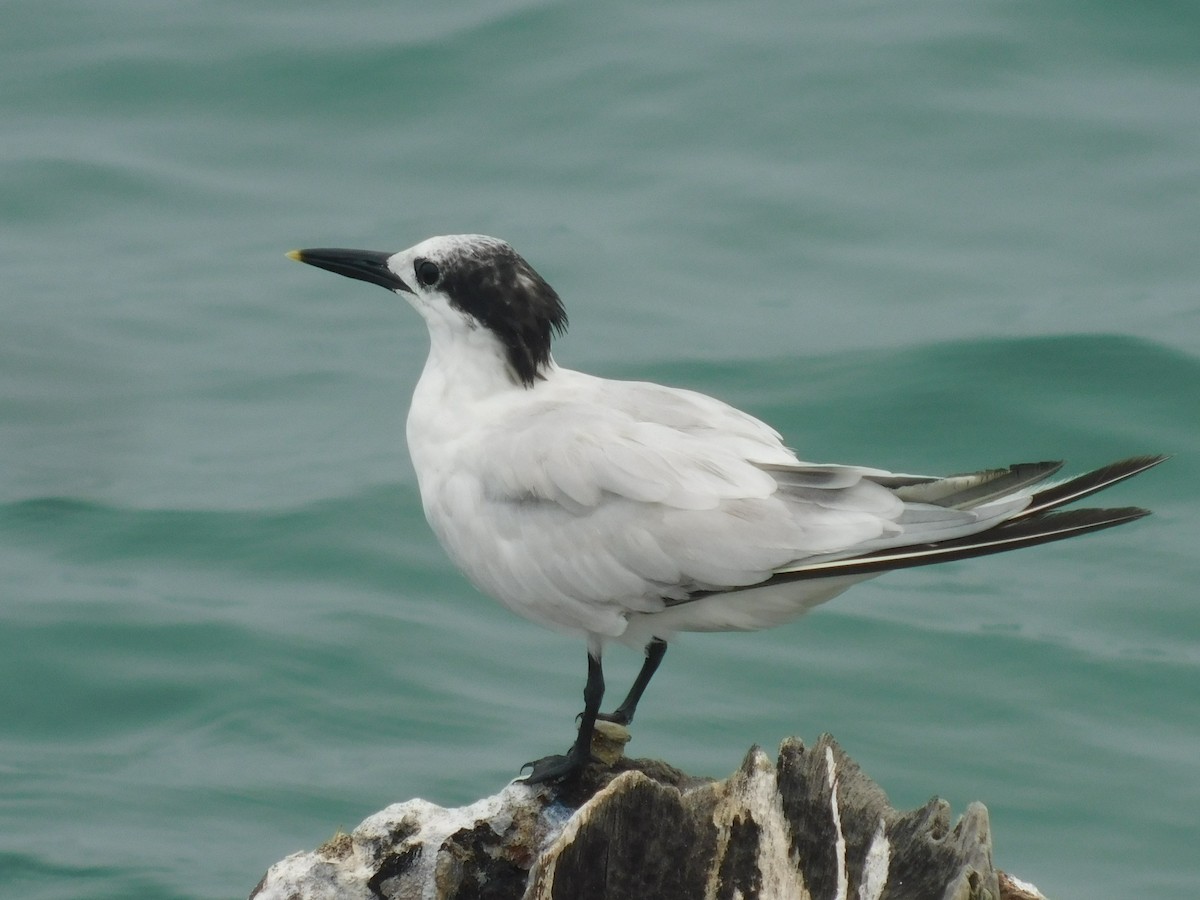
(630,511)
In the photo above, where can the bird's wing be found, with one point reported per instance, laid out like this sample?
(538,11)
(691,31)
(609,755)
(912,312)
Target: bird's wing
(597,495)
(577,514)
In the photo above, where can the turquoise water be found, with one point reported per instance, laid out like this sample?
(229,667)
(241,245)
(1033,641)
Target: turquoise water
(927,236)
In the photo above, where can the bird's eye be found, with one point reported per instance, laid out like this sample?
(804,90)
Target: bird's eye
(427,272)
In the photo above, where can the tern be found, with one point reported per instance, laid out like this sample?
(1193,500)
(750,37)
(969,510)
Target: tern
(629,511)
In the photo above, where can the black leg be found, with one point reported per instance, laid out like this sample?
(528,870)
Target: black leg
(623,714)
(567,768)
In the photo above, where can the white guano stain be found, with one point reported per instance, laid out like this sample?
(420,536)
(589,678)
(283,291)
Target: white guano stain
(875,866)
(843,886)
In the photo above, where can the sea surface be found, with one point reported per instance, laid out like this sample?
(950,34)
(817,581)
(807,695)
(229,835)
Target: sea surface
(929,236)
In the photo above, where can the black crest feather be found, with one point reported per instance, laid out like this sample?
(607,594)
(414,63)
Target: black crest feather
(494,285)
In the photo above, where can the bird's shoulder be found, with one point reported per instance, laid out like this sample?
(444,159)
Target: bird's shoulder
(646,403)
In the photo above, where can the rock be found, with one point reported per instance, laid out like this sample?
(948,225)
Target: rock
(812,825)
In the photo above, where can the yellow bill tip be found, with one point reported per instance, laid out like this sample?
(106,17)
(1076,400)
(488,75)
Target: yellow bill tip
(297,255)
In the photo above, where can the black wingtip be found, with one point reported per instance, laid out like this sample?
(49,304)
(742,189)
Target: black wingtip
(1089,483)
(1012,535)
(1124,514)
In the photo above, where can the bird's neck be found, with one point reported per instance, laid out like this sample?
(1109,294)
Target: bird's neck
(467,367)
(467,377)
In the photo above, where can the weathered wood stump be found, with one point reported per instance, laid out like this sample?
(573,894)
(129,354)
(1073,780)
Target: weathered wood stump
(810,826)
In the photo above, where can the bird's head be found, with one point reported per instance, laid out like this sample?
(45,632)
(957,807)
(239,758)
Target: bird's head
(461,283)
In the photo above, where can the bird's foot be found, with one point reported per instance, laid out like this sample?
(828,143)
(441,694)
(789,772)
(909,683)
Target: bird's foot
(558,769)
(607,747)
